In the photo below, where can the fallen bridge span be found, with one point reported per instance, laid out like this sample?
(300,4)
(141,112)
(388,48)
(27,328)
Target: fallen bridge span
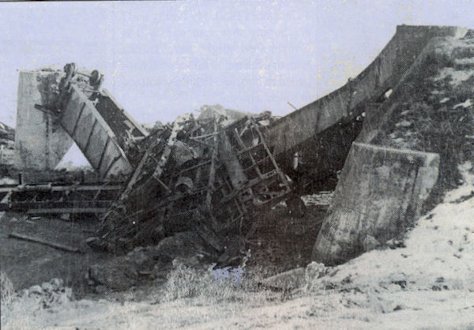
(320,134)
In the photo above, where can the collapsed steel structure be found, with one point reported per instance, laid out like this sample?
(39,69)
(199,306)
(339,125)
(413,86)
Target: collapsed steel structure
(211,174)
(208,173)
(197,175)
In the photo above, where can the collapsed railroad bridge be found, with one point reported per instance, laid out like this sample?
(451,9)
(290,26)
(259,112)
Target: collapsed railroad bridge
(391,139)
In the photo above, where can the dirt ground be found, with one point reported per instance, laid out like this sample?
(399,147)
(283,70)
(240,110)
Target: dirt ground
(283,243)
(29,263)
(425,283)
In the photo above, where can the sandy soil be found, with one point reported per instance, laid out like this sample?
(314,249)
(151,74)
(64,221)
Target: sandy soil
(431,310)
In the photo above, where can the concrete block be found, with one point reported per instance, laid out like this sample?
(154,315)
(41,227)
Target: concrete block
(40,141)
(379,196)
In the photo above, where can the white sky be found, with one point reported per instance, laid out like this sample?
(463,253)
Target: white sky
(161,59)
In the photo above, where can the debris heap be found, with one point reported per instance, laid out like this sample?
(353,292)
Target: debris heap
(211,175)
(7,148)
(199,175)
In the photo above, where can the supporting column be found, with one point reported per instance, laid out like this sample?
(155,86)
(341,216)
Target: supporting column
(40,141)
(379,196)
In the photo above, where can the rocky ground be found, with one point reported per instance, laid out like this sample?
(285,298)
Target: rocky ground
(426,281)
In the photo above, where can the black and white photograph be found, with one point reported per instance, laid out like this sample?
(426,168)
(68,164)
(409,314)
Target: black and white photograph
(204,164)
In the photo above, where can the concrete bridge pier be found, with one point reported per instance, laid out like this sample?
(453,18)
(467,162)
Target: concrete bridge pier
(40,141)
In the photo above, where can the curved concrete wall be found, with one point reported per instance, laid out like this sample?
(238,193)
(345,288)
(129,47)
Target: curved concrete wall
(382,191)
(299,130)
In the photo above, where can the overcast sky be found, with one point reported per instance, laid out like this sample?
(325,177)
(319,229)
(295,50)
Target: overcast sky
(161,59)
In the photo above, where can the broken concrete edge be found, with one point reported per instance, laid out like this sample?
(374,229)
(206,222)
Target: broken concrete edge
(369,241)
(383,73)
(40,90)
(85,125)
(379,197)
(294,133)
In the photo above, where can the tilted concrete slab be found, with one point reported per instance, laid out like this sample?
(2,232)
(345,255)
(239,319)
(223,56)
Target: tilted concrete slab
(101,128)
(92,134)
(322,131)
(40,141)
(380,194)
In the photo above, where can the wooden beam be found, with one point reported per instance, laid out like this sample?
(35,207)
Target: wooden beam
(55,245)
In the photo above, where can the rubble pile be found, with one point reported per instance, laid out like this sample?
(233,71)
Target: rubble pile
(7,134)
(7,148)
(210,174)
(195,194)
(150,263)
(216,174)
(198,175)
